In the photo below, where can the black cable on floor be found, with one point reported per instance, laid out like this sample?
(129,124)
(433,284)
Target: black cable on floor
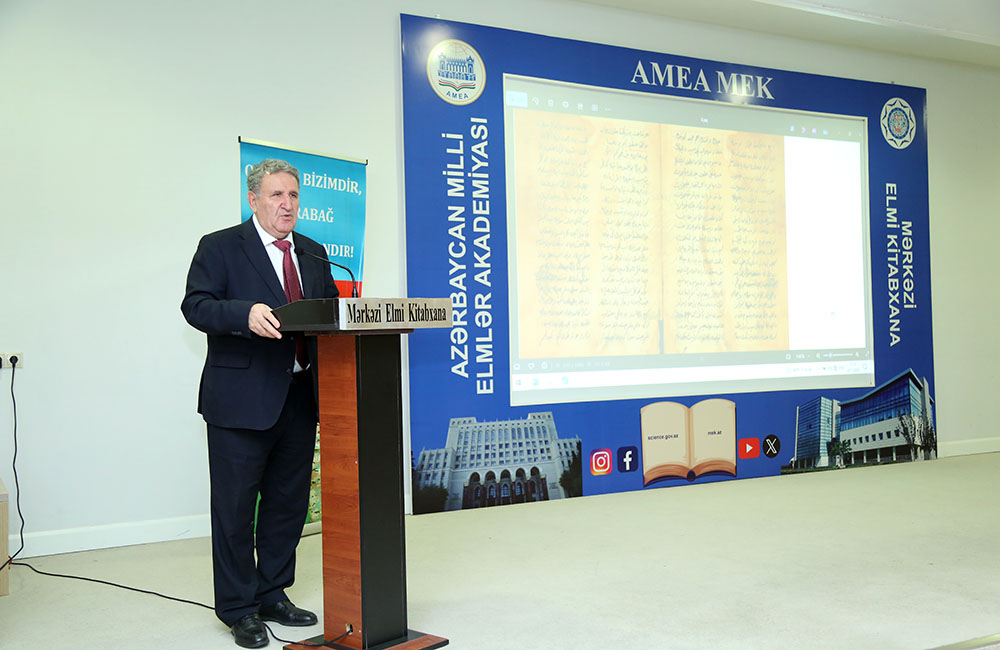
(10,560)
(112,584)
(17,485)
(325,644)
(178,600)
(17,488)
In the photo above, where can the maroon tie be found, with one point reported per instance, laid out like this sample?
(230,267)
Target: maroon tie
(293,292)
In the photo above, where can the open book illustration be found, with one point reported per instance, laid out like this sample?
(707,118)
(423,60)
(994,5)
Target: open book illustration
(682,442)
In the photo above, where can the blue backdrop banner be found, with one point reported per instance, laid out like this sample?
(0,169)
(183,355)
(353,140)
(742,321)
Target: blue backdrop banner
(664,270)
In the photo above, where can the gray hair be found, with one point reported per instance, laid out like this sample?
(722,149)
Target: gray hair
(265,167)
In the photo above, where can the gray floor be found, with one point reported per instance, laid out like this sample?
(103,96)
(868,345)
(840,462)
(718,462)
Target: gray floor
(901,556)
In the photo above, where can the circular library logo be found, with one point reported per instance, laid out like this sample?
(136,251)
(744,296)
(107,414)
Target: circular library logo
(899,125)
(456,72)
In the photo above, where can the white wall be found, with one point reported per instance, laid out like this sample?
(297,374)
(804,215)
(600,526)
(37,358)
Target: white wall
(118,127)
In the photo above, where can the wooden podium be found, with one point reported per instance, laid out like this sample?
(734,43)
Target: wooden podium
(361,464)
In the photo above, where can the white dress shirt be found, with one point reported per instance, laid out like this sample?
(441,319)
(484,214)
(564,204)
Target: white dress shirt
(277,257)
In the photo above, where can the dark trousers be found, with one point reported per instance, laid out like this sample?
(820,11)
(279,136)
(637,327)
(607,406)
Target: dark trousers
(277,464)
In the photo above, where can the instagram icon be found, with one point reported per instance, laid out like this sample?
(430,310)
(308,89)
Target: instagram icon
(600,462)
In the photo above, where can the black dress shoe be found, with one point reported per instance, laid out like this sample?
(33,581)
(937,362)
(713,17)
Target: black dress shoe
(286,613)
(249,632)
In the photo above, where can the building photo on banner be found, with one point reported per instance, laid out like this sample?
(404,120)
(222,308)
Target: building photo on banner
(663,270)
(332,199)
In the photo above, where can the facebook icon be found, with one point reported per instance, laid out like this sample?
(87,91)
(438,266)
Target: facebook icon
(628,459)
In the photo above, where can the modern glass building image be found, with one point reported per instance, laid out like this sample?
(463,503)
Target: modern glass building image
(815,428)
(498,463)
(875,425)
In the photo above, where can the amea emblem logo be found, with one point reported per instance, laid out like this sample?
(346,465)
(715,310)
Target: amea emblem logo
(456,72)
(899,124)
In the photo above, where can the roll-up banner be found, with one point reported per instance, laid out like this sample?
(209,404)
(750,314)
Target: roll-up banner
(663,270)
(332,193)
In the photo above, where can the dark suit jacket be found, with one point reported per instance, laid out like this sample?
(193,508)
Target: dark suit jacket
(246,377)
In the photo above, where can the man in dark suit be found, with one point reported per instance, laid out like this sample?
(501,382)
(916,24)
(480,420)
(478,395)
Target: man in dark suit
(258,398)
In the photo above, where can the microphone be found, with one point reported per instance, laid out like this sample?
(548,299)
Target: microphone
(354,283)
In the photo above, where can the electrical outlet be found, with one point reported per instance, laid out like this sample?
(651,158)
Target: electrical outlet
(7,363)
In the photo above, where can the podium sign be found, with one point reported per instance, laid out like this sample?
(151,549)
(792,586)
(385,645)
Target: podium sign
(361,314)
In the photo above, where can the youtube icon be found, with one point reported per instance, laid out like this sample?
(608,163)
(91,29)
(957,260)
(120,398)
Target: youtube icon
(748,447)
